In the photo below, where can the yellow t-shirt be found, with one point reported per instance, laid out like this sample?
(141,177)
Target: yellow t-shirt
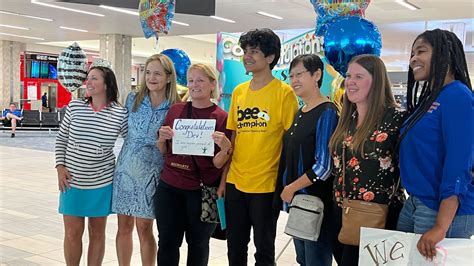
(259,119)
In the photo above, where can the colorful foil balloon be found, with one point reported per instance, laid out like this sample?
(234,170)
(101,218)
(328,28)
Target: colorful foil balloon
(156,16)
(181,63)
(336,89)
(72,67)
(330,9)
(347,37)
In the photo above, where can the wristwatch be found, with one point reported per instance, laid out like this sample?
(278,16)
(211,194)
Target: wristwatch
(229,151)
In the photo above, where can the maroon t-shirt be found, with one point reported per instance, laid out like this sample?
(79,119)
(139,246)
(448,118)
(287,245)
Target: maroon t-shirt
(178,170)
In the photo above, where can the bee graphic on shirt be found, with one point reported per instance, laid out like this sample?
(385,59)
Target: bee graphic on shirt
(263,115)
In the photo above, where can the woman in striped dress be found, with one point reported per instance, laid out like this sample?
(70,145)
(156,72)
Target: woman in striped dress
(85,163)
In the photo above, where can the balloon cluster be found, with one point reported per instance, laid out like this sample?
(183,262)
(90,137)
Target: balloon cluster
(72,67)
(156,16)
(181,63)
(346,33)
(330,9)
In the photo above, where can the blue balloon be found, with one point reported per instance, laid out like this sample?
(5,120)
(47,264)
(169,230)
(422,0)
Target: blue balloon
(181,63)
(347,37)
(321,22)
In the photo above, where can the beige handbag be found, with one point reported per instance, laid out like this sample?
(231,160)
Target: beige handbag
(359,213)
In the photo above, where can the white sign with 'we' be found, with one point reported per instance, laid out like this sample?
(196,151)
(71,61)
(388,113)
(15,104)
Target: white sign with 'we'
(385,247)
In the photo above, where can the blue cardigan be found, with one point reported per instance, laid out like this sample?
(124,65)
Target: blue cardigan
(436,155)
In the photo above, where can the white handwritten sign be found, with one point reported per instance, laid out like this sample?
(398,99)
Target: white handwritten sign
(385,247)
(193,136)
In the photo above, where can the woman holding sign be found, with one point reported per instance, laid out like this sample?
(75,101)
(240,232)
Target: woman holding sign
(436,150)
(178,202)
(140,163)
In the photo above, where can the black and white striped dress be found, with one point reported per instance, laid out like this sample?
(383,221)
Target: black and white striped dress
(84,145)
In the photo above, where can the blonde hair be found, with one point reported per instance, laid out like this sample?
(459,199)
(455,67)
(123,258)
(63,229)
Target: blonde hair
(171,89)
(380,97)
(211,73)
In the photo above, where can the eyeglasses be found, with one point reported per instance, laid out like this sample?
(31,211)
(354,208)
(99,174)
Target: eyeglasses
(297,74)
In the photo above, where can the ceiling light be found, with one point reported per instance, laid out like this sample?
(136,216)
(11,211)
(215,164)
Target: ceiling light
(269,15)
(223,19)
(126,11)
(67,9)
(180,23)
(73,29)
(23,15)
(13,27)
(21,36)
(407,4)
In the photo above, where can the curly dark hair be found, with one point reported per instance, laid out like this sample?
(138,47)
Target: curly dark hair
(265,39)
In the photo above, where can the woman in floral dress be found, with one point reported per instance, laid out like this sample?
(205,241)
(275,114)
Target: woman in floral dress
(369,128)
(140,162)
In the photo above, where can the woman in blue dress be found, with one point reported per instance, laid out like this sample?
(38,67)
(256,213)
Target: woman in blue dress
(140,162)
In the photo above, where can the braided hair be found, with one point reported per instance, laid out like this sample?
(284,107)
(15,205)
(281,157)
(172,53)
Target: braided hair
(447,58)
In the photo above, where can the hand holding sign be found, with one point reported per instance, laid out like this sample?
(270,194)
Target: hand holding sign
(427,243)
(165,133)
(222,141)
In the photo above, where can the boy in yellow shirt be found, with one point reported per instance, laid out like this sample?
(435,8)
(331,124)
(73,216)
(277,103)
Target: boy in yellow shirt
(261,110)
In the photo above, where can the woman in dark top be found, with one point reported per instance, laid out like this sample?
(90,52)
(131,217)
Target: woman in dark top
(178,200)
(369,129)
(305,164)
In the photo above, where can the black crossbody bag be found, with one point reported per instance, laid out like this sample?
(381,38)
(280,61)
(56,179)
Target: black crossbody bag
(209,197)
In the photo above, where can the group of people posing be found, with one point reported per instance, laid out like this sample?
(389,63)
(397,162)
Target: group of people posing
(267,150)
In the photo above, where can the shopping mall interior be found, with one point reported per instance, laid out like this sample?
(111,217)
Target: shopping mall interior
(33,34)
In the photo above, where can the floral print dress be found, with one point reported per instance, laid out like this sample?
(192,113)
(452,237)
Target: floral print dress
(370,177)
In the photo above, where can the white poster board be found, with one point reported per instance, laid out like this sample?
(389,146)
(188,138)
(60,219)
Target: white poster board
(385,247)
(193,136)
(32,92)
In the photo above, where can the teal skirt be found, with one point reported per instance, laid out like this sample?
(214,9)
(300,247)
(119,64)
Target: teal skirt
(86,202)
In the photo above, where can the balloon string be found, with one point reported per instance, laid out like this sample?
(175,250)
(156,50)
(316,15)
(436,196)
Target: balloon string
(155,47)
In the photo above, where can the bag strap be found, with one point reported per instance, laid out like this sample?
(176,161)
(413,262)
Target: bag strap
(344,167)
(395,188)
(189,108)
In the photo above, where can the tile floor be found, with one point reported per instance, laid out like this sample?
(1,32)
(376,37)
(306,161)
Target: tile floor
(31,230)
